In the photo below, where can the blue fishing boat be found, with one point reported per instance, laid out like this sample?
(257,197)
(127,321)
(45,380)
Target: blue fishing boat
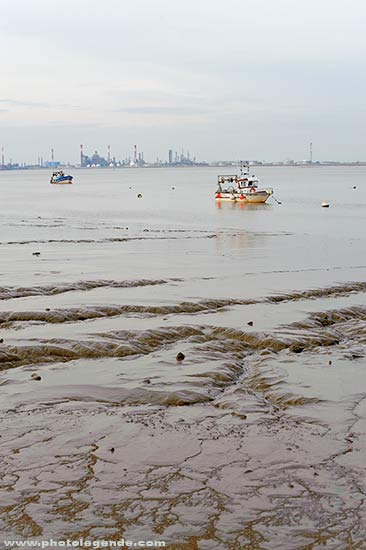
(59,177)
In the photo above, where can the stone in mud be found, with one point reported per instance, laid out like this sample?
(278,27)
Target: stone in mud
(112,449)
(36,376)
(1,340)
(147,381)
(250,323)
(180,356)
(354,354)
(297,348)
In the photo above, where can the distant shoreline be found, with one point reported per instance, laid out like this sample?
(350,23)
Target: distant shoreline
(223,164)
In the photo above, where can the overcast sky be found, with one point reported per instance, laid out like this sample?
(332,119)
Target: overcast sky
(225,79)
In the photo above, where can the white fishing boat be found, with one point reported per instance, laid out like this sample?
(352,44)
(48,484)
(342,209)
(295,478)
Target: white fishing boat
(241,188)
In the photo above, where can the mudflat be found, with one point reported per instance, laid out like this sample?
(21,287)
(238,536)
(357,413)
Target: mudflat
(254,440)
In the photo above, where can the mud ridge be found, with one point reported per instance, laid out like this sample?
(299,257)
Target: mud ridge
(9,318)
(333,317)
(8,293)
(107,239)
(216,341)
(325,292)
(123,344)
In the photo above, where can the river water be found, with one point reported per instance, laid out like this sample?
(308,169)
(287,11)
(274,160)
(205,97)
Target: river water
(256,440)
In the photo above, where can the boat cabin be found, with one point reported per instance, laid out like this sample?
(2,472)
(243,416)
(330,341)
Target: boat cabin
(227,183)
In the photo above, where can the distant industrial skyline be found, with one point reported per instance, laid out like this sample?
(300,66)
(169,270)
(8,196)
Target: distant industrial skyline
(170,155)
(107,158)
(136,157)
(222,77)
(95,159)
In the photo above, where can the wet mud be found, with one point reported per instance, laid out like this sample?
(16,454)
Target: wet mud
(232,447)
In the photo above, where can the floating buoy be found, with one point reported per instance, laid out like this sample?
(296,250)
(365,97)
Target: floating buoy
(218,196)
(325,204)
(139,196)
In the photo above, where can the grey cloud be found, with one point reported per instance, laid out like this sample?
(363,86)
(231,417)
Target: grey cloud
(161,110)
(18,103)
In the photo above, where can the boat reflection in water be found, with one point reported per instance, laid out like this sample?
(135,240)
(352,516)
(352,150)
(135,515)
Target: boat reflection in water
(242,205)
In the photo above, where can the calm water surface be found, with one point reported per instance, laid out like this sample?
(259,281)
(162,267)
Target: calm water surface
(257,439)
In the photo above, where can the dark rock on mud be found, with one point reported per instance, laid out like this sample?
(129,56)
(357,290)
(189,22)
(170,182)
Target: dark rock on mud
(36,377)
(296,348)
(180,356)
(355,354)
